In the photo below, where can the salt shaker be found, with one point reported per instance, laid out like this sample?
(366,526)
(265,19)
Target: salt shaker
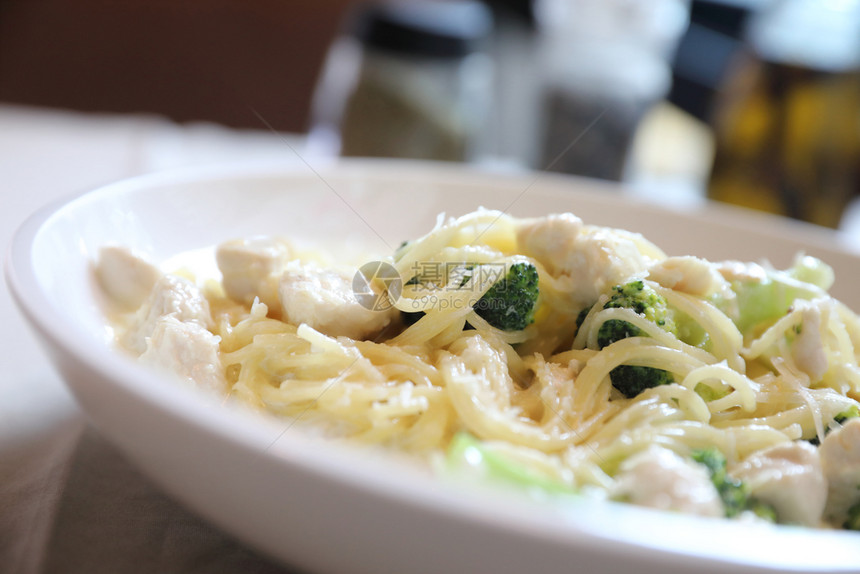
(605,64)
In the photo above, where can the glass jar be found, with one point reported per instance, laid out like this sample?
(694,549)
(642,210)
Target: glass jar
(787,123)
(409,80)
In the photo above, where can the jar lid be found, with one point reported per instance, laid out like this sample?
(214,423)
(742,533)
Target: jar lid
(818,34)
(434,29)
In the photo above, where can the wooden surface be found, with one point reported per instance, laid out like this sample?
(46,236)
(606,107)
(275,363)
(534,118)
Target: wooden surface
(217,60)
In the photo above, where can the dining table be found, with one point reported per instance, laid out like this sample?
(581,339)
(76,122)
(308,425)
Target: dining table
(70,502)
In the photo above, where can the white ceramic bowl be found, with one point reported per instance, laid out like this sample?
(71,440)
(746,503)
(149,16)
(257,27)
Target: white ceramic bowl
(331,509)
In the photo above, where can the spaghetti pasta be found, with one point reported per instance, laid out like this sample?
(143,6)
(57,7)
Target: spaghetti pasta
(546,396)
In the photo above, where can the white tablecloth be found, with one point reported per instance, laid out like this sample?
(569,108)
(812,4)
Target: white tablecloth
(69,502)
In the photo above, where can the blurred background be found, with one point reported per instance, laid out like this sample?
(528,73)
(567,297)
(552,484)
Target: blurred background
(753,102)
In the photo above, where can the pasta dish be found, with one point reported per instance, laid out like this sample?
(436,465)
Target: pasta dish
(544,353)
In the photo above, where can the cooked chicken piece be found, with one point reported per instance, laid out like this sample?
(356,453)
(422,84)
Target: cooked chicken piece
(808,348)
(125,277)
(187,350)
(689,274)
(790,478)
(550,239)
(171,295)
(659,478)
(252,268)
(840,458)
(741,271)
(324,299)
(806,271)
(589,260)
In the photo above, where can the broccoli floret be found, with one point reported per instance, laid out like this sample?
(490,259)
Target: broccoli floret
(580,319)
(641,299)
(813,271)
(851,412)
(709,393)
(761,509)
(411,317)
(631,380)
(470,454)
(644,300)
(734,493)
(510,303)
(853,520)
(766,298)
(615,330)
